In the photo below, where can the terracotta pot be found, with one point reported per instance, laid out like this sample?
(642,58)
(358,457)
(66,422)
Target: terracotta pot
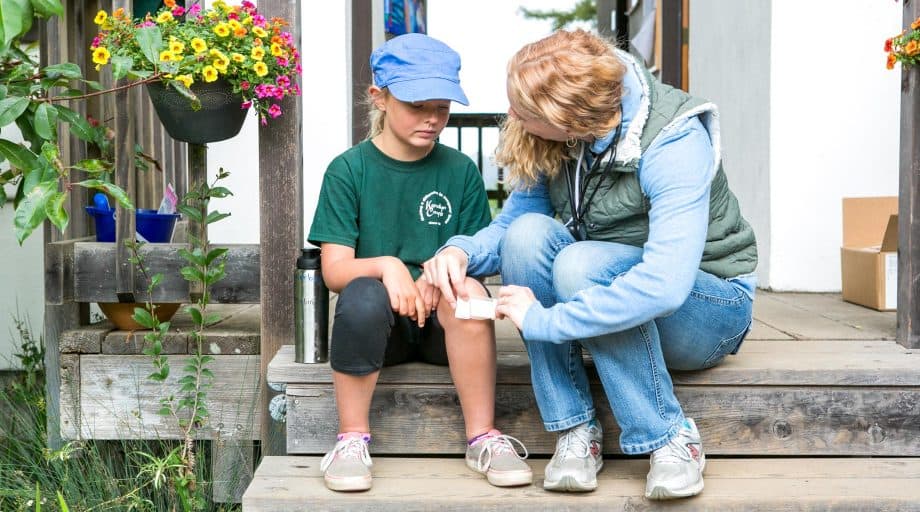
(121,313)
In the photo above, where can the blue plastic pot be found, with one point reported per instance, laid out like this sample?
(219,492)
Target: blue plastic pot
(152,226)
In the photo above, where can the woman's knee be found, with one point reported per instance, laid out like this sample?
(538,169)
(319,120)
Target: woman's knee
(527,233)
(584,264)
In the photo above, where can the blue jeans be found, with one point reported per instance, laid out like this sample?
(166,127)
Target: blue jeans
(538,252)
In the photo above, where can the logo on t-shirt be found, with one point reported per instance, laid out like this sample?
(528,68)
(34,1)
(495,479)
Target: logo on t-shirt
(435,209)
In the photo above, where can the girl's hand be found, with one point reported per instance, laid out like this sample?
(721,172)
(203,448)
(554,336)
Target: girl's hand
(404,295)
(430,294)
(513,303)
(447,271)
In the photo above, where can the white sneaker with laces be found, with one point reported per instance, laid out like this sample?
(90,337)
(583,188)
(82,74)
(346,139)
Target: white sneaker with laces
(577,459)
(496,457)
(348,466)
(677,467)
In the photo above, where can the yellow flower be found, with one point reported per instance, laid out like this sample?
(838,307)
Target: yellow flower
(222,29)
(217,54)
(101,56)
(186,80)
(199,45)
(166,56)
(248,20)
(210,73)
(257,53)
(234,24)
(259,32)
(221,65)
(276,50)
(164,17)
(260,68)
(101,16)
(238,58)
(176,46)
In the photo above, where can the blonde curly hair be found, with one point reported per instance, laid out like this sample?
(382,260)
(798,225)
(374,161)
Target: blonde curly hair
(571,80)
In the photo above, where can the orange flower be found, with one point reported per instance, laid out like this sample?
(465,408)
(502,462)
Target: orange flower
(891,60)
(169,3)
(239,32)
(119,13)
(916,24)
(911,48)
(887,45)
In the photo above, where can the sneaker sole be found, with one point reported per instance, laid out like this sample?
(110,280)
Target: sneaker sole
(663,493)
(352,483)
(569,483)
(504,479)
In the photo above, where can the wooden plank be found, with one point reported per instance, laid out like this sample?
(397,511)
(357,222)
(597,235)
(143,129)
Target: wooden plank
(118,401)
(909,200)
(70,396)
(85,340)
(57,320)
(232,464)
(76,31)
(766,363)
(823,316)
(94,274)
(283,484)
(734,420)
(59,271)
(124,177)
(132,342)
(281,148)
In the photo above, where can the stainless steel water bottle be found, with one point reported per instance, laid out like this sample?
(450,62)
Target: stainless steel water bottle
(311,310)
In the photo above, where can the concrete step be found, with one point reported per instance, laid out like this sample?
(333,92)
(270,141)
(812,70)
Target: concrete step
(287,484)
(789,398)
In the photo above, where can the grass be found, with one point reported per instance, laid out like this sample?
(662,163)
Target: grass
(88,475)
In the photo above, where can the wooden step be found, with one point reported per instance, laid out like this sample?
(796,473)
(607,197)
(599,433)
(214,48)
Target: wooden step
(843,397)
(287,484)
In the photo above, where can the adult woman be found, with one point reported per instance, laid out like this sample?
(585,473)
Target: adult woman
(649,267)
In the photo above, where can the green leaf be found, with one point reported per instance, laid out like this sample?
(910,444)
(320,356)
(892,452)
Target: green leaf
(186,93)
(220,192)
(164,411)
(93,166)
(54,210)
(121,66)
(190,212)
(212,318)
(61,503)
(139,74)
(196,258)
(109,189)
(12,107)
(30,212)
(213,254)
(94,85)
(24,123)
(46,118)
(195,313)
(150,39)
(65,70)
(15,20)
(79,126)
(216,216)
(143,317)
(192,274)
(19,156)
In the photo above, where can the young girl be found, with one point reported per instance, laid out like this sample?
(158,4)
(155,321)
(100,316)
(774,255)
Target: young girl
(649,267)
(385,206)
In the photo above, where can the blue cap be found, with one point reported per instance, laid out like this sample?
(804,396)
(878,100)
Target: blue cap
(415,67)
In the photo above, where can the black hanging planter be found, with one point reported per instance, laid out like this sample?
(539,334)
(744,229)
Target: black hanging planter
(219,118)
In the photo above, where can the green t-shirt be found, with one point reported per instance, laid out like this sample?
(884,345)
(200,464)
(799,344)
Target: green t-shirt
(386,207)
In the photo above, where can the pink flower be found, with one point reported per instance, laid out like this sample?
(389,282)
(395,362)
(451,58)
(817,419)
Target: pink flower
(264,121)
(259,20)
(275,111)
(194,10)
(282,61)
(96,42)
(244,85)
(287,38)
(298,69)
(246,105)
(178,11)
(233,16)
(283,81)
(295,90)
(249,7)
(279,93)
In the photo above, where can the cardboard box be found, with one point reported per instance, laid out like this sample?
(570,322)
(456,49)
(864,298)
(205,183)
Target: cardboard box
(869,256)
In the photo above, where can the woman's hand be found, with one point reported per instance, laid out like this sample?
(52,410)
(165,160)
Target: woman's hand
(447,271)
(430,294)
(404,295)
(513,303)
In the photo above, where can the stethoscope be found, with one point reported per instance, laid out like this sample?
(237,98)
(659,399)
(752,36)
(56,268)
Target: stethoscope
(574,181)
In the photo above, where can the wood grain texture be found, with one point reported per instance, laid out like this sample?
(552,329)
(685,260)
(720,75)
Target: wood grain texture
(909,200)
(94,274)
(118,401)
(284,484)
(232,465)
(123,144)
(734,420)
(281,231)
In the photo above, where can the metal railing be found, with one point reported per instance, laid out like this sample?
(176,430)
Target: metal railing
(485,121)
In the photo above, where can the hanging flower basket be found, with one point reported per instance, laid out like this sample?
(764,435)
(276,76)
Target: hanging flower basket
(219,118)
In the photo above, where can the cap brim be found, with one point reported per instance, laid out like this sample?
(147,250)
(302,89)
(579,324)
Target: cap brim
(424,89)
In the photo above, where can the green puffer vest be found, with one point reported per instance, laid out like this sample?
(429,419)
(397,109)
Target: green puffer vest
(619,210)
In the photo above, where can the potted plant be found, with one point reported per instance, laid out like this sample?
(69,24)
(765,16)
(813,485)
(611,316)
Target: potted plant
(205,67)
(904,47)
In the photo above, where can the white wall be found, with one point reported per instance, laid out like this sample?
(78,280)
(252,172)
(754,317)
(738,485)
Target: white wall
(810,117)
(325,46)
(21,285)
(736,77)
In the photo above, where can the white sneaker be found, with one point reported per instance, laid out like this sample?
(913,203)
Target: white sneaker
(497,459)
(348,466)
(577,459)
(677,467)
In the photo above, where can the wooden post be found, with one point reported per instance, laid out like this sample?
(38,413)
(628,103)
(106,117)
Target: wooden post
(909,200)
(197,174)
(361,77)
(125,178)
(605,9)
(280,226)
